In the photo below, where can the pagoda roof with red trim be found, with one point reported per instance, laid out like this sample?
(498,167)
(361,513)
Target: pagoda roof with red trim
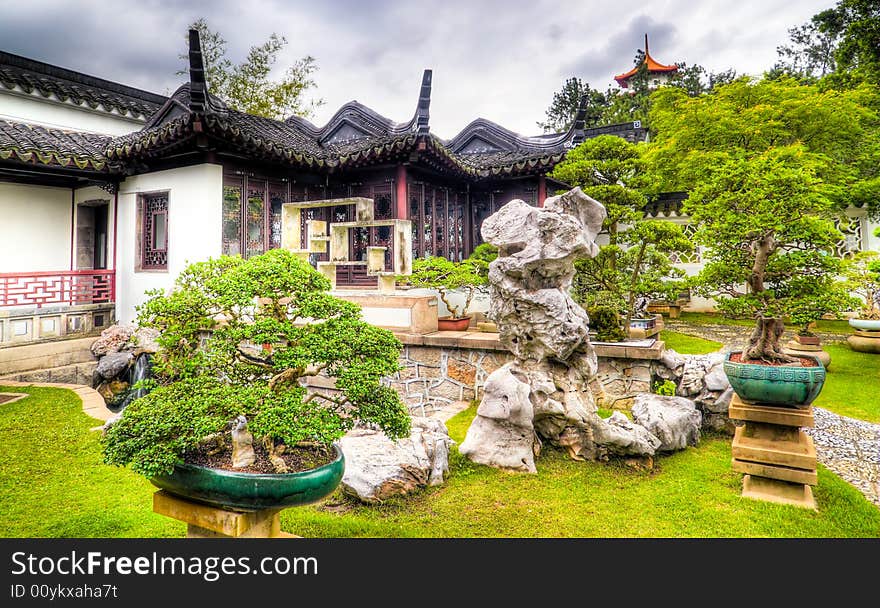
(654,67)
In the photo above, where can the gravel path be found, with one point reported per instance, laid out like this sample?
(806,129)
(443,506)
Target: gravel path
(849,447)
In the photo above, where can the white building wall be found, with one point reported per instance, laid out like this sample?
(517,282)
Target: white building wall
(34,228)
(24,107)
(195,202)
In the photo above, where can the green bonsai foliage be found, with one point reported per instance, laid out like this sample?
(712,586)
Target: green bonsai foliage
(862,273)
(435,272)
(606,321)
(238,337)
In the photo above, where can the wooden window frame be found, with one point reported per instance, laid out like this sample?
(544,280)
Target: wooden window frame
(144,228)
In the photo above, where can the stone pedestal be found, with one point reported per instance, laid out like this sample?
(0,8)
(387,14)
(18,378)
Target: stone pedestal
(777,457)
(865,341)
(795,348)
(203,521)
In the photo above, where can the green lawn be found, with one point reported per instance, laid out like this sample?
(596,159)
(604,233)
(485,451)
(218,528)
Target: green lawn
(688,345)
(835,326)
(852,384)
(52,483)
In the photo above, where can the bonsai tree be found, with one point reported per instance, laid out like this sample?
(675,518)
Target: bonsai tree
(862,273)
(768,165)
(435,272)
(239,337)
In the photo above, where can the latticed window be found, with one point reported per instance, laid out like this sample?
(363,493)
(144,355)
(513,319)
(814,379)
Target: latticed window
(154,231)
(695,256)
(853,236)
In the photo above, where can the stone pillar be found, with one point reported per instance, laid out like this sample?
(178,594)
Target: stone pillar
(777,457)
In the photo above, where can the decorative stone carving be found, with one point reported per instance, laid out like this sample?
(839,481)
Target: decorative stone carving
(544,395)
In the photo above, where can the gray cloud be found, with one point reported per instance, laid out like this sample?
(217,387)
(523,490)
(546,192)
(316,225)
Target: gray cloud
(500,59)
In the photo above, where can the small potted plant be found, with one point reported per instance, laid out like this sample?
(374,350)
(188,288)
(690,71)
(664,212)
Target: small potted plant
(232,423)
(469,277)
(830,298)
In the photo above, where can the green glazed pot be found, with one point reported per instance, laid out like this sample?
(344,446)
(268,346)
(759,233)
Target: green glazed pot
(775,384)
(220,488)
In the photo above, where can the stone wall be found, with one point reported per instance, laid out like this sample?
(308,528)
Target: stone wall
(436,374)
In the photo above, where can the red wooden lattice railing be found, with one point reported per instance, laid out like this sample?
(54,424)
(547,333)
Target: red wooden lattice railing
(62,287)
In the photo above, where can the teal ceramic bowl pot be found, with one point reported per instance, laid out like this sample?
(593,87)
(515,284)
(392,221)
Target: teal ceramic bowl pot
(775,384)
(232,489)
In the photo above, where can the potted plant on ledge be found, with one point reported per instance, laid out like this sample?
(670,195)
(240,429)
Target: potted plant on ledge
(826,296)
(467,277)
(229,420)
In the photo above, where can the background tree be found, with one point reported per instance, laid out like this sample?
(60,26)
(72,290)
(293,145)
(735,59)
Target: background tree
(768,164)
(565,104)
(248,86)
(635,261)
(841,40)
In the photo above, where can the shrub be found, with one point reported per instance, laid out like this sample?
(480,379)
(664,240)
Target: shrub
(606,321)
(667,388)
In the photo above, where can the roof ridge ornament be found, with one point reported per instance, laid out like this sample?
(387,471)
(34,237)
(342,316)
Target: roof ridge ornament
(198,88)
(578,133)
(422,109)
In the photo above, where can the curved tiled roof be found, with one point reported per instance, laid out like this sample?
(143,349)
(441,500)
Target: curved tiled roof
(38,78)
(53,147)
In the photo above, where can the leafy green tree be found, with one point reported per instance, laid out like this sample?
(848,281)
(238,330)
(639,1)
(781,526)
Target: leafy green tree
(862,273)
(235,343)
(768,164)
(248,86)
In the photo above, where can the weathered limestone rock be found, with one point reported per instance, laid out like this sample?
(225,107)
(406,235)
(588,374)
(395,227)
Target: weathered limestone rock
(377,468)
(111,390)
(544,395)
(110,366)
(112,339)
(242,444)
(675,421)
(144,340)
(502,434)
(702,379)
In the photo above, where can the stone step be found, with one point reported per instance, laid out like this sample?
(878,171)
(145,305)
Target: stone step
(775,472)
(770,414)
(774,445)
(781,492)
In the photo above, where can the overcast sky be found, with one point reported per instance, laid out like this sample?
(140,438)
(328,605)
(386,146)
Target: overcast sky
(496,59)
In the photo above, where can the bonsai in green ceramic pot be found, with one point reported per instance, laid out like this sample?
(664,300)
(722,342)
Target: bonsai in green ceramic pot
(229,419)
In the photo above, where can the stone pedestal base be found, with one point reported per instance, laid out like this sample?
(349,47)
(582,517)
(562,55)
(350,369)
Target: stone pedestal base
(771,490)
(203,521)
(777,457)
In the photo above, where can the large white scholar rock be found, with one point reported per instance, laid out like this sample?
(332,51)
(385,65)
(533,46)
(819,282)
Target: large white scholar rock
(619,436)
(112,339)
(502,434)
(675,421)
(377,467)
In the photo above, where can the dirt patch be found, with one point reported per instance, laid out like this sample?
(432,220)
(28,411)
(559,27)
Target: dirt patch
(297,459)
(10,397)
(804,362)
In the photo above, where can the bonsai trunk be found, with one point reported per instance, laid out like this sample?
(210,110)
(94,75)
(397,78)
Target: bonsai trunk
(764,341)
(453,310)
